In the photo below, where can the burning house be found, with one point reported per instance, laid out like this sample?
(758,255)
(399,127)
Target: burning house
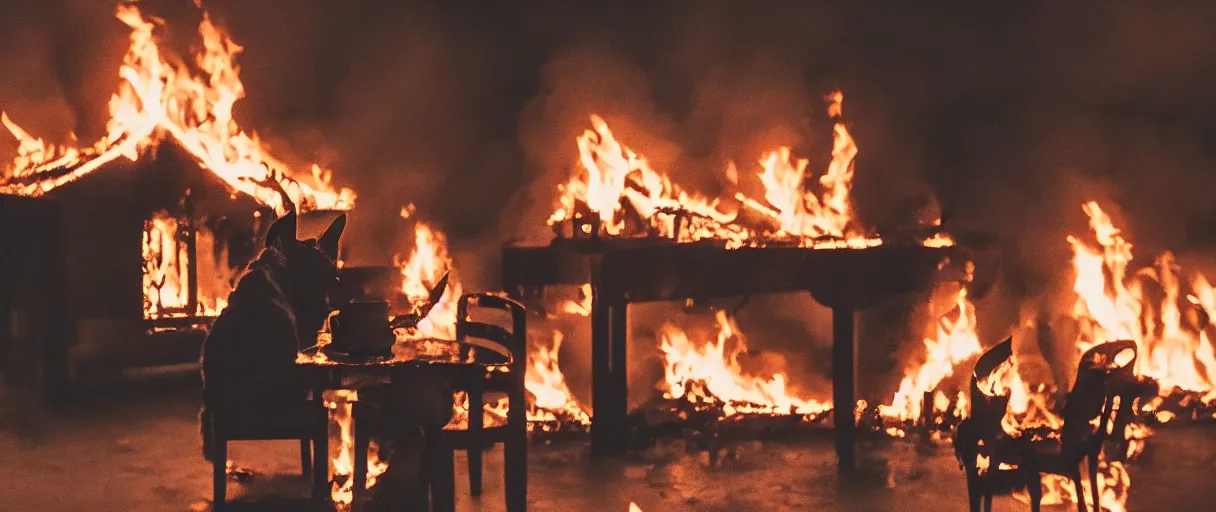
(145,230)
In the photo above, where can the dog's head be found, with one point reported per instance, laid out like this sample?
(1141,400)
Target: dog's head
(309,268)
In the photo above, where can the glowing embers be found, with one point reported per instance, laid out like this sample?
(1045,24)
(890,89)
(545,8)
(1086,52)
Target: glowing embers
(185,269)
(161,97)
(616,193)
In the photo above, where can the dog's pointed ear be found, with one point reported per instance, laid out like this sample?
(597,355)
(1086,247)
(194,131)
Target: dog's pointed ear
(283,230)
(328,242)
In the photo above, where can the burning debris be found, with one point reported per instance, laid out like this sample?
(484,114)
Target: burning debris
(553,407)
(955,342)
(620,195)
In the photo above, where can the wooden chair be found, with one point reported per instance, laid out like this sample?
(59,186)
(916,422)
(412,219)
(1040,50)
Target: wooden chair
(978,436)
(307,421)
(1106,372)
(1100,377)
(514,434)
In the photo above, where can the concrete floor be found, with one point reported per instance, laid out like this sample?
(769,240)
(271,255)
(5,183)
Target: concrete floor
(137,450)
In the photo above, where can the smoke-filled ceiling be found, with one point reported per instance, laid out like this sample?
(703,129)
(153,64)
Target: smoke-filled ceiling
(1008,116)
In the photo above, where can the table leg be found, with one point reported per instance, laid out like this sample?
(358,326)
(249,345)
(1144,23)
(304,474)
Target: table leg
(601,378)
(844,384)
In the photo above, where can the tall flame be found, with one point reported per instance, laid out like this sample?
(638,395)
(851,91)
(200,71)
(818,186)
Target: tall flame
(547,386)
(615,182)
(1168,316)
(167,273)
(160,97)
(801,212)
(421,270)
(955,341)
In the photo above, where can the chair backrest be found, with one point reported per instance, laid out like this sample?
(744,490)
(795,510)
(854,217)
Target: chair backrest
(512,343)
(987,407)
(1101,369)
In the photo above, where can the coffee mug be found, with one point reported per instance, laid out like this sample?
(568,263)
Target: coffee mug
(361,327)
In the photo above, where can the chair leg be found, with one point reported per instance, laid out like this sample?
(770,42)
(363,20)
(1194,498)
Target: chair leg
(1092,462)
(475,446)
(1080,489)
(515,466)
(441,472)
(973,492)
(305,457)
(320,466)
(219,472)
(1034,484)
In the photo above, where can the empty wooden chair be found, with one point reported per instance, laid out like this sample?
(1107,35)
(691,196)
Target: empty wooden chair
(977,438)
(1091,401)
(1096,410)
(512,344)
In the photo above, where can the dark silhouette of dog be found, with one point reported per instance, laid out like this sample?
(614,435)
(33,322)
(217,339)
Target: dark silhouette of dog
(276,309)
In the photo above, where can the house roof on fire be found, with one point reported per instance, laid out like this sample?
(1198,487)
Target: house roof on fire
(161,98)
(273,189)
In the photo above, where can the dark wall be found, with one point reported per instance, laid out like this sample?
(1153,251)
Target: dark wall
(34,332)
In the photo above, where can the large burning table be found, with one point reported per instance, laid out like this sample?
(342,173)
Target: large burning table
(624,272)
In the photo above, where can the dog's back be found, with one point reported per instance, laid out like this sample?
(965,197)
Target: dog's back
(248,357)
(249,354)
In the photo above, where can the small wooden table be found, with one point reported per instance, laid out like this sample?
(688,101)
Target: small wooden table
(323,373)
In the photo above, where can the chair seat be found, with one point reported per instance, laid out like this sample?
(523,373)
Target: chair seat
(302,419)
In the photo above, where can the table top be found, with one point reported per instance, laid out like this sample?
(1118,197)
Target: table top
(418,352)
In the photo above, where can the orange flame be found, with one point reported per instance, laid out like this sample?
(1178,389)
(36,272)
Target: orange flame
(547,385)
(955,341)
(1113,480)
(159,98)
(617,176)
(707,372)
(426,264)
(167,272)
(1147,307)
(340,403)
